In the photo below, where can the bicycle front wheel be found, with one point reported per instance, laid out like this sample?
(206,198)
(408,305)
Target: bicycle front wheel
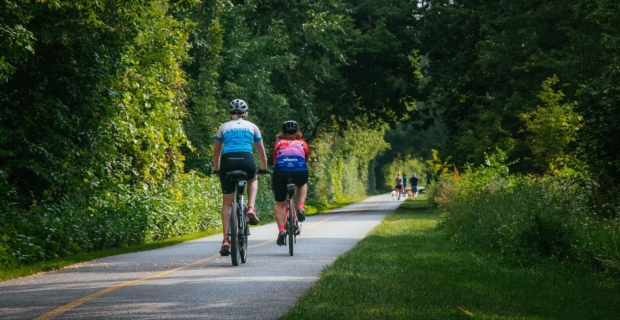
(234,234)
(291,227)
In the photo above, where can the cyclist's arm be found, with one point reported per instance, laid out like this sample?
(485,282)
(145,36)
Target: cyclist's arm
(274,152)
(262,157)
(306,151)
(217,149)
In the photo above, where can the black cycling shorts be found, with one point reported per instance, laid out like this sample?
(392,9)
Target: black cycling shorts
(280,179)
(236,161)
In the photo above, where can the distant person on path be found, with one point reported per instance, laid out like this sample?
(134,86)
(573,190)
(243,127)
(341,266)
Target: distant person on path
(414,186)
(290,160)
(404,184)
(399,184)
(233,141)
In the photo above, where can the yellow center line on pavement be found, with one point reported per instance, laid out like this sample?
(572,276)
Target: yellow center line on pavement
(60,310)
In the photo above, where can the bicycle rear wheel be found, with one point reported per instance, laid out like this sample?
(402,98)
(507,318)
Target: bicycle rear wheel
(291,227)
(243,236)
(234,234)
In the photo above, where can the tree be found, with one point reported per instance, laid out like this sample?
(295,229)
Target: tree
(486,61)
(551,128)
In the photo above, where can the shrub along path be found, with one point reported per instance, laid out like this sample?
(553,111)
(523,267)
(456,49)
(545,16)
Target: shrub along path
(407,268)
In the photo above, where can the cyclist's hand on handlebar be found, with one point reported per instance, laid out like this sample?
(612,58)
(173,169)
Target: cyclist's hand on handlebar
(261,171)
(216,171)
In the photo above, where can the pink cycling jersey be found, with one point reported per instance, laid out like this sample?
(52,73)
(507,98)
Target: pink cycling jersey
(290,155)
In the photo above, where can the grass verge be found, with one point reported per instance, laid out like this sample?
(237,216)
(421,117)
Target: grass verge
(317,207)
(407,268)
(20,270)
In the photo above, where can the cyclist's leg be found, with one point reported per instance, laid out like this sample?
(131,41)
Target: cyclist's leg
(248,165)
(278,186)
(227,200)
(228,194)
(301,186)
(225,214)
(279,210)
(301,182)
(280,196)
(252,191)
(301,192)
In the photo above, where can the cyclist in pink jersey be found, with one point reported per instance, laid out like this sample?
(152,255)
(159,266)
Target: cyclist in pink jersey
(290,158)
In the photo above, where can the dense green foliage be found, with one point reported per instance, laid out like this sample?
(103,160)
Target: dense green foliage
(90,124)
(526,217)
(342,166)
(487,61)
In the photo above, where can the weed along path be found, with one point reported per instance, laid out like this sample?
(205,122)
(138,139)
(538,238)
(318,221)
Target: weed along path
(191,280)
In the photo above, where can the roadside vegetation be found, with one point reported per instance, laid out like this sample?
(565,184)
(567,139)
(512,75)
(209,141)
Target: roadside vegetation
(109,109)
(411,267)
(556,218)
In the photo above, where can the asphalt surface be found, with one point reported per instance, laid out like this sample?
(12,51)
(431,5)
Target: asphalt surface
(191,280)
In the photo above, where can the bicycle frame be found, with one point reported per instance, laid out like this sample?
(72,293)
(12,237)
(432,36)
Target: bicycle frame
(292,225)
(238,229)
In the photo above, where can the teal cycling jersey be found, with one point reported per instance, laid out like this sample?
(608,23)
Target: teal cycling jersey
(238,136)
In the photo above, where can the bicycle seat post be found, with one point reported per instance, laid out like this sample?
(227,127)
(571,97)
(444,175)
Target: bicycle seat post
(240,187)
(239,177)
(290,188)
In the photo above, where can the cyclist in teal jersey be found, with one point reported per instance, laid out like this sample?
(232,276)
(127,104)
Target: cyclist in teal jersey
(233,142)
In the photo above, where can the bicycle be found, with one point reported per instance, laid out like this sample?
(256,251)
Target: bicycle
(238,230)
(293,228)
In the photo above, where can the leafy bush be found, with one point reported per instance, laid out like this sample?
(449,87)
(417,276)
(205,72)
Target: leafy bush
(527,217)
(340,167)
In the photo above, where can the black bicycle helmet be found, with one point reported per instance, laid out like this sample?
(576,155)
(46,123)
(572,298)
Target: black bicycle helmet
(238,106)
(290,126)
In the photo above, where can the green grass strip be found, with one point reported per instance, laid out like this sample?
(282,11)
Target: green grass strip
(407,268)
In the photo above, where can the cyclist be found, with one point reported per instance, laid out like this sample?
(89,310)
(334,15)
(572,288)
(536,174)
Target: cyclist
(290,158)
(233,142)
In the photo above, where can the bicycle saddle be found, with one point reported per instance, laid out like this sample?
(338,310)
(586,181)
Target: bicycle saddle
(236,175)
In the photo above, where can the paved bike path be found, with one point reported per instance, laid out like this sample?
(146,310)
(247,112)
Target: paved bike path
(191,280)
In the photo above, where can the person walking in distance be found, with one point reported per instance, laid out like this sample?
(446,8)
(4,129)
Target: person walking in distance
(233,141)
(290,158)
(399,185)
(414,186)
(404,192)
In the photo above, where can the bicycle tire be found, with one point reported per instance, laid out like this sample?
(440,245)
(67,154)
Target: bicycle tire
(243,237)
(291,228)
(234,234)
